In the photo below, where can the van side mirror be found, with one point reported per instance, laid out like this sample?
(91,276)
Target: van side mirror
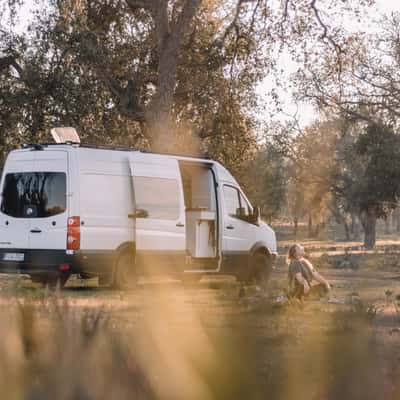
(256,215)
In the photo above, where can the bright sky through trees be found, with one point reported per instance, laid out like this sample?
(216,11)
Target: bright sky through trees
(304,112)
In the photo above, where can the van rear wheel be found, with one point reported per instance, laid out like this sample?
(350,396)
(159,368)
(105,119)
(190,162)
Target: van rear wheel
(125,274)
(261,269)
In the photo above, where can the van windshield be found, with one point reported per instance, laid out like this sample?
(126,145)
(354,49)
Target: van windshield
(34,194)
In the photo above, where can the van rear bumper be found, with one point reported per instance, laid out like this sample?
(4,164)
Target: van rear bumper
(28,261)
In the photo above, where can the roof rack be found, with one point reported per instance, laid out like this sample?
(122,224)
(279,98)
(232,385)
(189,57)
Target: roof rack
(206,157)
(34,146)
(41,146)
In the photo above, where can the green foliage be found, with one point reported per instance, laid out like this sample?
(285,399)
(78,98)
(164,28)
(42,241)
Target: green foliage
(378,151)
(267,175)
(67,72)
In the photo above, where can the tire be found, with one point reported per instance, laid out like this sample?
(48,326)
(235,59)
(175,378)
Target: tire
(125,274)
(261,269)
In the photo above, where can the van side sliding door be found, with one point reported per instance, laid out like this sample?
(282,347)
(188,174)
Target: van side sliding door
(158,212)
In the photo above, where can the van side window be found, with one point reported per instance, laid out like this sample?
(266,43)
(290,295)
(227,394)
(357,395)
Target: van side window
(156,198)
(235,204)
(34,194)
(231,199)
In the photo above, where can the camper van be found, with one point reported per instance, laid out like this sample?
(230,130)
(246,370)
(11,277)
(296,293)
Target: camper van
(115,214)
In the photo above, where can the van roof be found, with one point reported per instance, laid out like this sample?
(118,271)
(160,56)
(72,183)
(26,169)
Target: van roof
(42,146)
(223,173)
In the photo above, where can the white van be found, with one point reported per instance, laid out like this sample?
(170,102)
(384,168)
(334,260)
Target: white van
(117,213)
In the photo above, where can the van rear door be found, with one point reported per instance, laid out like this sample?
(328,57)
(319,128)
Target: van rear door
(14,223)
(49,183)
(159,211)
(34,200)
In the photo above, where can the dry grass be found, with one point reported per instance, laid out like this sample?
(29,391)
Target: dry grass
(168,341)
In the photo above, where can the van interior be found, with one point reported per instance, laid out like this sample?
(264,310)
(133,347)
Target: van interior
(201,212)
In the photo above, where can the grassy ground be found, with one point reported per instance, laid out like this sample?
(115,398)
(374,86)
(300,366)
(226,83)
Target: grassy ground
(201,341)
(210,340)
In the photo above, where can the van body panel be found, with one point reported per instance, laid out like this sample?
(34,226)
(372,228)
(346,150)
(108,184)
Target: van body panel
(103,199)
(158,194)
(107,200)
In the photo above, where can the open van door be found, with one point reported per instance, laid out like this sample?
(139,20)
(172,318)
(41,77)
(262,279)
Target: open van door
(158,213)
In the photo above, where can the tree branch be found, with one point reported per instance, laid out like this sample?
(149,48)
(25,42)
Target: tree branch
(324,27)
(184,19)
(10,61)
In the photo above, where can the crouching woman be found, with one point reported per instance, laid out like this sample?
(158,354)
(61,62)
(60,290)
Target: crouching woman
(304,280)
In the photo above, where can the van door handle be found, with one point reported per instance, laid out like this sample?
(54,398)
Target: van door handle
(36,231)
(180,224)
(230,227)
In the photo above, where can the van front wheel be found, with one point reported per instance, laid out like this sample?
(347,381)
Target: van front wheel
(125,275)
(261,269)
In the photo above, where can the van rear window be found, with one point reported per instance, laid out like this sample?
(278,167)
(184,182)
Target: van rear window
(34,194)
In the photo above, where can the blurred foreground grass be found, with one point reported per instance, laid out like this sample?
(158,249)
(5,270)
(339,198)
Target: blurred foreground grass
(166,341)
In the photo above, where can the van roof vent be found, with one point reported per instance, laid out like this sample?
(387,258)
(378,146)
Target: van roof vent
(65,135)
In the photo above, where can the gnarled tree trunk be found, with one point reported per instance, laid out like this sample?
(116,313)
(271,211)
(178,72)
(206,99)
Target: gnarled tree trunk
(157,116)
(346,231)
(295,226)
(368,221)
(396,219)
(310,226)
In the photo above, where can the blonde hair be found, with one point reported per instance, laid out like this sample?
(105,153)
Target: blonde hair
(292,252)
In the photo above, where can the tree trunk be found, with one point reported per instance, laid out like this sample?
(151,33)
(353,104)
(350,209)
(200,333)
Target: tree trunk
(387,226)
(396,219)
(157,115)
(310,226)
(356,227)
(368,220)
(160,129)
(346,231)
(296,226)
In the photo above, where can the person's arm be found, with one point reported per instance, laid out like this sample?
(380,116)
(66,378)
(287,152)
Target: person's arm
(319,278)
(299,278)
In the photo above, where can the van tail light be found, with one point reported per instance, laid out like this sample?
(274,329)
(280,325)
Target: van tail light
(63,267)
(74,233)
